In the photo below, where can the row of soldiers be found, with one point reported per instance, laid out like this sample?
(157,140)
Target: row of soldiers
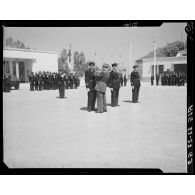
(50,81)
(170,79)
(6,82)
(123,80)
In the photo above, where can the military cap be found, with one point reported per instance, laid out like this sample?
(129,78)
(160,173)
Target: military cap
(91,63)
(114,64)
(105,66)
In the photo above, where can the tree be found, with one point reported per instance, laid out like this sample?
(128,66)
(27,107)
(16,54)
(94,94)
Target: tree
(170,50)
(9,42)
(62,61)
(79,63)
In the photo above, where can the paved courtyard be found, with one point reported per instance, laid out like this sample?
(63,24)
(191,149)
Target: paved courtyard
(43,131)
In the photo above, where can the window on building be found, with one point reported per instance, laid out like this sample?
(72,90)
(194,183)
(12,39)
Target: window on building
(161,69)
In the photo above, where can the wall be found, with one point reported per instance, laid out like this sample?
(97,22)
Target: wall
(41,60)
(167,62)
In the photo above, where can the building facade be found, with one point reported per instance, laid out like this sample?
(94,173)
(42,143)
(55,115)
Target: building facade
(176,64)
(22,62)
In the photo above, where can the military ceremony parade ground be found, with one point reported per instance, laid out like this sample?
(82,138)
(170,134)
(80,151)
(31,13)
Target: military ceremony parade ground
(43,131)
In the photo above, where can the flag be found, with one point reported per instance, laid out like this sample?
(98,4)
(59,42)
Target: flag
(69,53)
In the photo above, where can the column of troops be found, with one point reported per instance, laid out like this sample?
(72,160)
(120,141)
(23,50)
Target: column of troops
(52,81)
(170,79)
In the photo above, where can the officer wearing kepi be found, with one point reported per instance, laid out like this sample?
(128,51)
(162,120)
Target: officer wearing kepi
(61,85)
(90,86)
(101,85)
(114,84)
(135,83)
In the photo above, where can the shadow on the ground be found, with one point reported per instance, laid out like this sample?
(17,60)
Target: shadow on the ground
(108,104)
(61,98)
(129,101)
(83,108)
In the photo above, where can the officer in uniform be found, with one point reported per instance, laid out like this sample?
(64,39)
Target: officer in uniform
(61,85)
(121,80)
(162,79)
(36,81)
(101,84)
(152,79)
(4,79)
(157,79)
(32,80)
(135,83)
(90,83)
(40,82)
(114,84)
(7,84)
(71,80)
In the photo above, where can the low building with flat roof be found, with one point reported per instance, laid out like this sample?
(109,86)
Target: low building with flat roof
(177,64)
(22,62)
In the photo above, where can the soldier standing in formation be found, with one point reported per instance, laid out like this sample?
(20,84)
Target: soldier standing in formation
(152,79)
(90,83)
(32,81)
(173,79)
(157,79)
(114,84)
(135,83)
(121,80)
(6,82)
(71,80)
(101,84)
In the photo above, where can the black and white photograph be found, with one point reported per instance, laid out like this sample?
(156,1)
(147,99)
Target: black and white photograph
(83,96)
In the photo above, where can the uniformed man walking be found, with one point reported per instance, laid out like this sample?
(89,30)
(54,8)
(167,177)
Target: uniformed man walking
(90,86)
(135,83)
(101,85)
(114,84)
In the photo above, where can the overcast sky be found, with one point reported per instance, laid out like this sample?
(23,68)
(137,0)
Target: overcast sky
(110,44)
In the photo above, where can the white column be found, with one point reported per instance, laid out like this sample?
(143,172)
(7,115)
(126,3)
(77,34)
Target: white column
(17,70)
(10,67)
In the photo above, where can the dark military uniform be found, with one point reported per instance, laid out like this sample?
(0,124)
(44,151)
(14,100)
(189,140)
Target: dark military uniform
(32,82)
(135,82)
(7,82)
(90,83)
(61,86)
(4,86)
(100,88)
(40,82)
(36,81)
(71,81)
(125,80)
(157,79)
(152,80)
(114,83)
(162,80)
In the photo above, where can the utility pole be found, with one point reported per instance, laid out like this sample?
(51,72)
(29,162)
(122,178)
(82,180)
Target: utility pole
(130,56)
(154,61)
